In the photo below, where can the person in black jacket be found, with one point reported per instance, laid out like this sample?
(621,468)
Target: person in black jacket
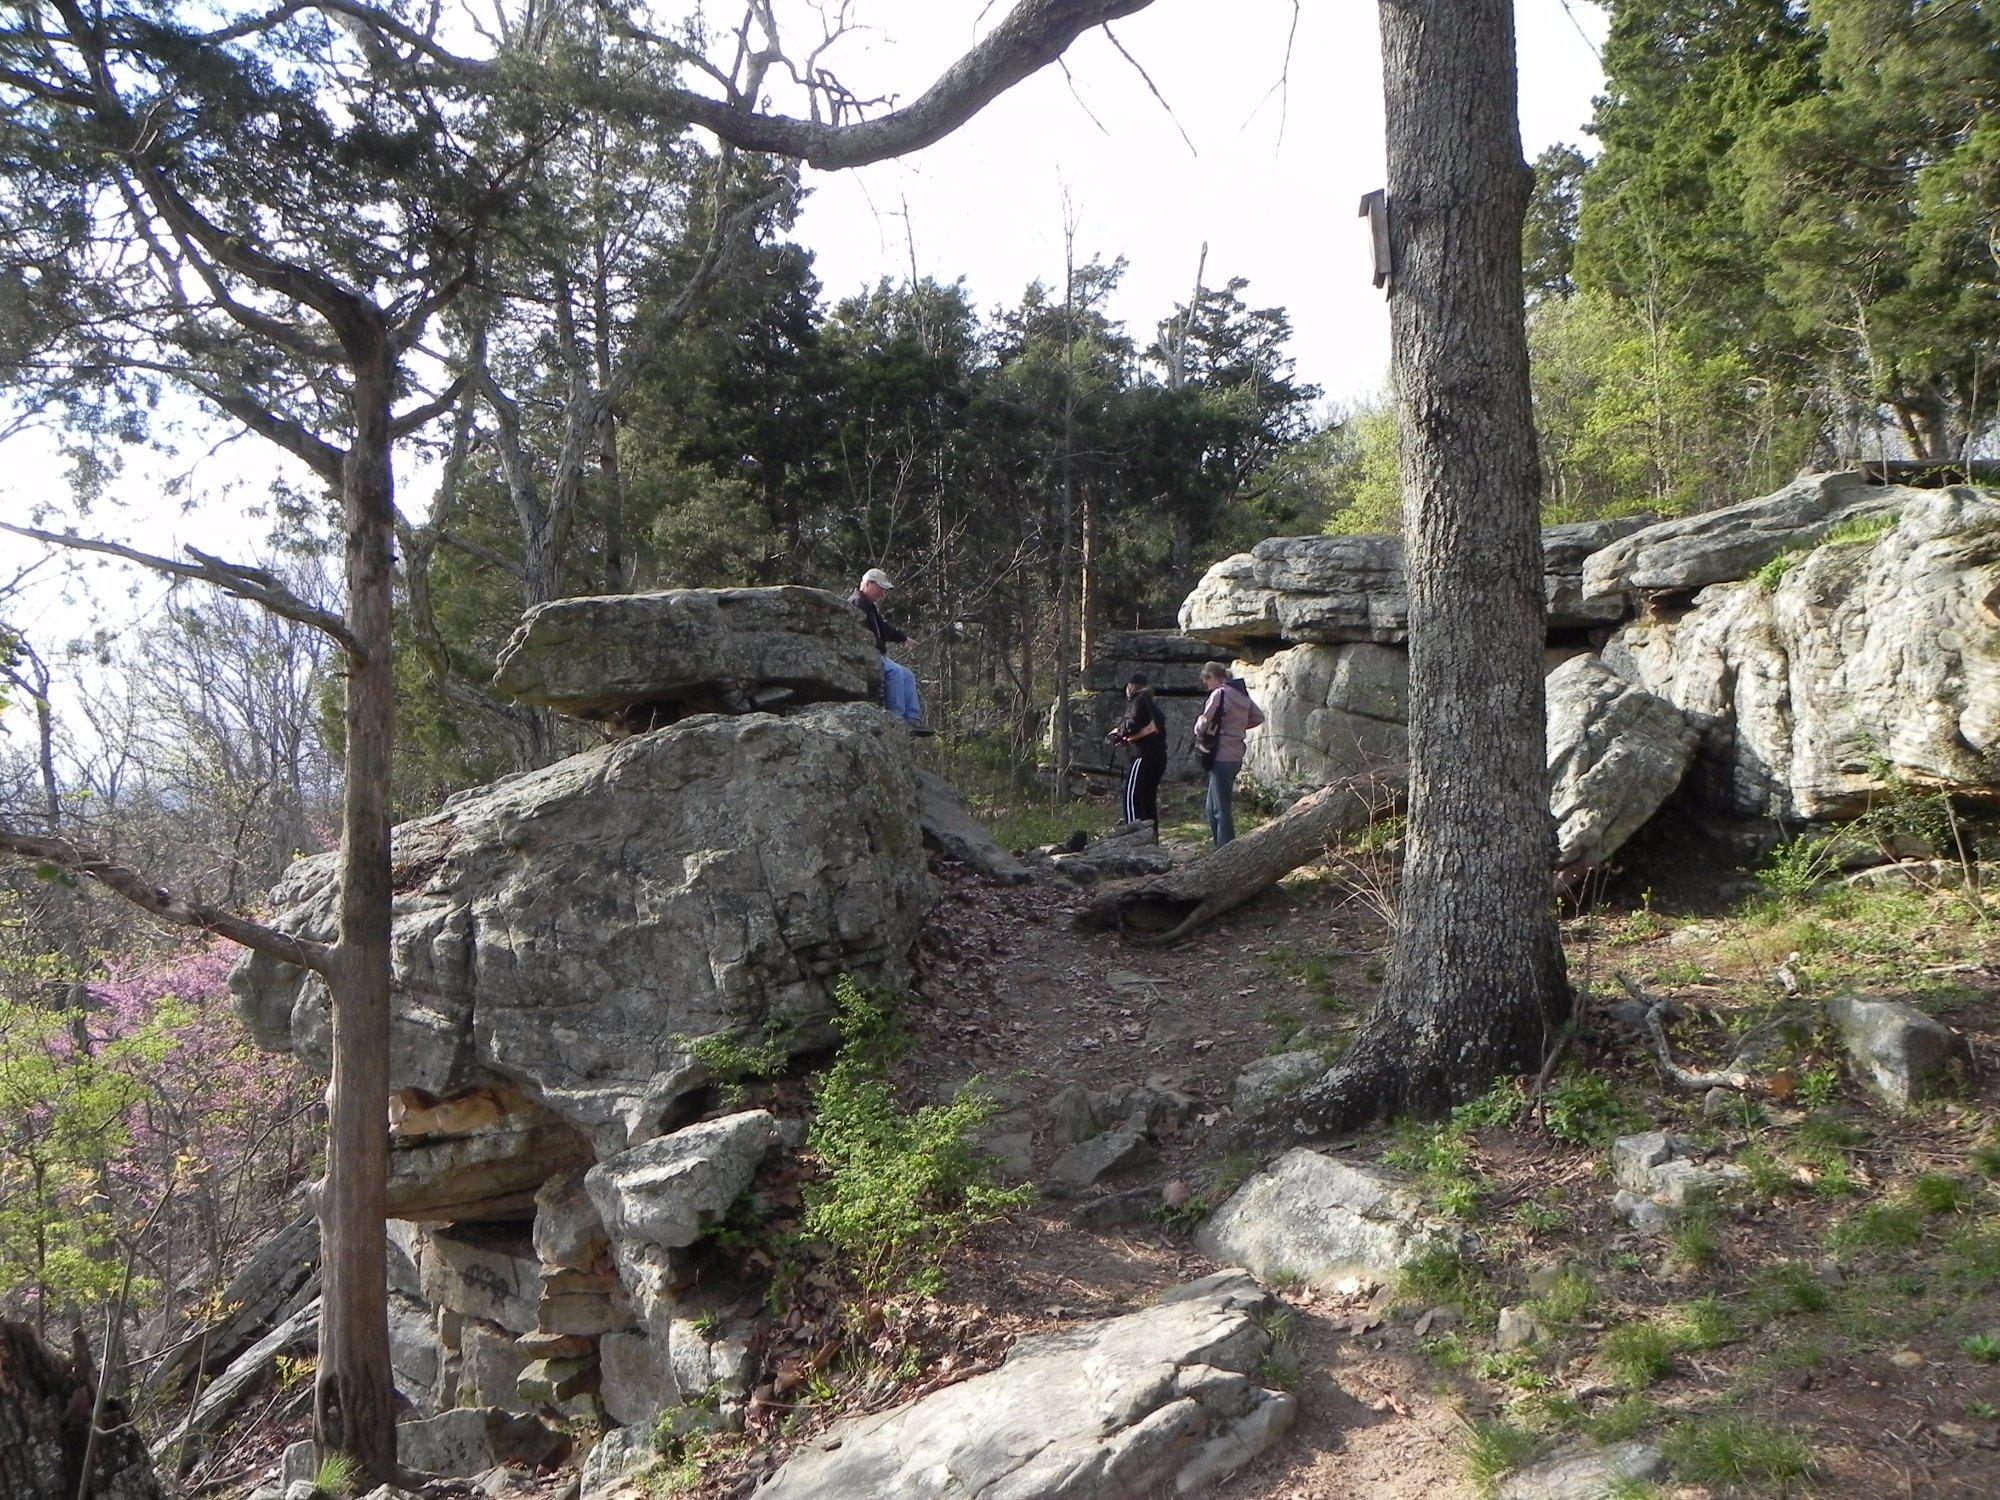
(899,683)
(1144,733)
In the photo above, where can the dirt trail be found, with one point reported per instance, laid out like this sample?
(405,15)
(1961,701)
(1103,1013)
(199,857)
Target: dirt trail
(1018,996)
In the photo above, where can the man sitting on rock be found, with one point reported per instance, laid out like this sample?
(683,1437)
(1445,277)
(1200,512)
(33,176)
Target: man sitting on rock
(899,683)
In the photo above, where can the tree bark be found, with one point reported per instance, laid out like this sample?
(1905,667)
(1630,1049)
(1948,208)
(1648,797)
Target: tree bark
(1476,986)
(354,1392)
(1166,908)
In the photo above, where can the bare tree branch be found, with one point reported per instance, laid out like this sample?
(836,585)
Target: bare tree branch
(163,903)
(253,584)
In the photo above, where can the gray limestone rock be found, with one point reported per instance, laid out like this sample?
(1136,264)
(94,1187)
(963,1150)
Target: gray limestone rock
(1720,546)
(483,1271)
(1113,1409)
(557,932)
(1659,1176)
(415,1356)
(637,1381)
(1330,712)
(1321,1220)
(569,1234)
(620,1453)
(951,832)
(490,1363)
(1881,652)
(1329,590)
(1116,1150)
(1903,1054)
(703,649)
(1592,1474)
(1270,1080)
(662,1195)
(471,1440)
(1616,753)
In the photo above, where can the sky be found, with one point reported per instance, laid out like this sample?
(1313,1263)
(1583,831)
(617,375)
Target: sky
(1261,158)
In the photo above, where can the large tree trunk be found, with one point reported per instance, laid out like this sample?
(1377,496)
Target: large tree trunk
(45,1414)
(1166,908)
(1476,988)
(354,1395)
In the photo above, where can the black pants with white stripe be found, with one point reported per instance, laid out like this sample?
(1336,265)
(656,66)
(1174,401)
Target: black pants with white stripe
(1142,787)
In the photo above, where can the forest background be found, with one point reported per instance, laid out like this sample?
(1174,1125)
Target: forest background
(1780,249)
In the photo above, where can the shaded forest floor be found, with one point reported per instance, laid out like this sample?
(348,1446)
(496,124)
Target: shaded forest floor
(1836,1328)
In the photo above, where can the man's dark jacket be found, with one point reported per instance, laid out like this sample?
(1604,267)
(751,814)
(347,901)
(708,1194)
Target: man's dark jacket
(886,634)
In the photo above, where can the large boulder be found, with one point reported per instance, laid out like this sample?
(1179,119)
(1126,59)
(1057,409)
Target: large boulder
(1329,712)
(1329,590)
(563,933)
(690,650)
(1127,1406)
(1871,656)
(1616,753)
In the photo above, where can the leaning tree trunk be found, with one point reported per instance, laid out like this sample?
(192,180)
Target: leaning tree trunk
(1476,988)
(354,1410)
(1166,908)
(45,1418)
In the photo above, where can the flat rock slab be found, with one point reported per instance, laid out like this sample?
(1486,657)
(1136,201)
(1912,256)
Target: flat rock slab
(951,832)
(1119,1408)
(728,650)
(1903,1054)
(1322,1221)
(1597,1474)
(1330,589)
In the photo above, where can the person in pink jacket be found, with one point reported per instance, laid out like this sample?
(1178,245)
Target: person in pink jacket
(1219,735)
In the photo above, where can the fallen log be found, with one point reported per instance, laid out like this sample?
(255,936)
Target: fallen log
(46,1403)
(1158,909)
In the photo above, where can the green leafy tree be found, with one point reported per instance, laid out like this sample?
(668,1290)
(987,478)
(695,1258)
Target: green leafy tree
(1878,195)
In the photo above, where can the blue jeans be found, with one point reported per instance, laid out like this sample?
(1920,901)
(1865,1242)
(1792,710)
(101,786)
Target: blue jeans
(899,691)
(1221,787)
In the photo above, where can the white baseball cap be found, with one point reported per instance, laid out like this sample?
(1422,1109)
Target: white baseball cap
(877,577)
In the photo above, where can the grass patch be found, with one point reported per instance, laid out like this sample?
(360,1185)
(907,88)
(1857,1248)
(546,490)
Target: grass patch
(1623,1420)
(1735,1451)
(1982,1348)
(1445,1274)
(1939,1193)
(1695,1241)
(1638,1354)
(1879,1226)
(336,1475)
(1586,1109)
(1493,1448)
(1789,1288)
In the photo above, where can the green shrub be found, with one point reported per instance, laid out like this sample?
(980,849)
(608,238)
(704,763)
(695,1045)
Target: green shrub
(1586,1109)
(902,1186)
(1773,572)
(1983,1347)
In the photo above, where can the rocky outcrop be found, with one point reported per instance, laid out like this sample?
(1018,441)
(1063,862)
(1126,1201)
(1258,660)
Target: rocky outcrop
(1330,590)
(1167,1396)
(563,933)
(1172,666)
(1871,655)
(1616,753)
(1720,546)
(1321,1221)
(690,651)
(1329,712)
